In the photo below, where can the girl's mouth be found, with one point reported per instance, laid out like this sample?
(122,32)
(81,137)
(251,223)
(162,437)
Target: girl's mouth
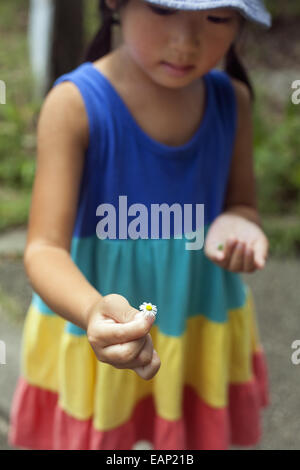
(176,69)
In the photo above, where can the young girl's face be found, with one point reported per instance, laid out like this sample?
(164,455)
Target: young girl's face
(154,36)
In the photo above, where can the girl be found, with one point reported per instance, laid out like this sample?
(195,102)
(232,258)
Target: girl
(152,124)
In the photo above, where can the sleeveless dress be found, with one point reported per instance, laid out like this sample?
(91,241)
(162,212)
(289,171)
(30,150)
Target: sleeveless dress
(213,379)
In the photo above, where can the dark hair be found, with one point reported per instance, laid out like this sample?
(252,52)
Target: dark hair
(102,45)
(233,65)
(102,42)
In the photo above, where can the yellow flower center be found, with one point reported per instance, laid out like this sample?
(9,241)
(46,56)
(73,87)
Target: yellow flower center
(148,307)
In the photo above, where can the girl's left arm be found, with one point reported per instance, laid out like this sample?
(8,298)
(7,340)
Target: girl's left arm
(241,189)
(235,239)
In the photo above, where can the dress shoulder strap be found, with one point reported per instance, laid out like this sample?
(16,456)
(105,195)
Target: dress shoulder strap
(225,100)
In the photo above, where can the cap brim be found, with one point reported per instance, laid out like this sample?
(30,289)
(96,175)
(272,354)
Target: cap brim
(254,11)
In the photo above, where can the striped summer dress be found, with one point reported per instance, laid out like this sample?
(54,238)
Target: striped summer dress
(213,382)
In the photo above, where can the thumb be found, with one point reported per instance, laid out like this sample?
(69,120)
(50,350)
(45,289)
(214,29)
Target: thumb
(117,308)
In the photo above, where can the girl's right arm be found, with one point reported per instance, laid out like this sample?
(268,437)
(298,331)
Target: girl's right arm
(62,139)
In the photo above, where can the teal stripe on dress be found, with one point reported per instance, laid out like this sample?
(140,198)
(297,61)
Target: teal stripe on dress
(74,329)
(192,284)
(40,305)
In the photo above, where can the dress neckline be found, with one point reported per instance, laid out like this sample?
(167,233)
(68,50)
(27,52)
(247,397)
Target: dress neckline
(167,150)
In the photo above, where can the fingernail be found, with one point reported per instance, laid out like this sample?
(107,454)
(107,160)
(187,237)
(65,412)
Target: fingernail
(144,315)
(149,315)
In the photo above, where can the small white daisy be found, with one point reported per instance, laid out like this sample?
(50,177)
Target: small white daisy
(148,309)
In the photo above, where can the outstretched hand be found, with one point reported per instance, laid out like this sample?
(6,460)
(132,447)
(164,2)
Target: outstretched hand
(120,335)
(236,244)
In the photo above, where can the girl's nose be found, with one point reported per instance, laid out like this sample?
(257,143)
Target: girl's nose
(187,30)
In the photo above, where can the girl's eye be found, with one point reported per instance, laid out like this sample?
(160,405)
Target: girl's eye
(161,11)
(218,19)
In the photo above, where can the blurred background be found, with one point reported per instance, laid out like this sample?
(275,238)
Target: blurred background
(28,67)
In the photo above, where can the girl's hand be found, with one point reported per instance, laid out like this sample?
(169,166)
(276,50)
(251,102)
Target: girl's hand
(236,244)
(120,337)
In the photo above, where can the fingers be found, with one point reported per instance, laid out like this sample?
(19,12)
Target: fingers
(149,369)
(249,264)
(106,333)
(138,356)
(239,256)
(236,261)
(124,356)
(229,256)
(225,255)
(242,259)
(261,252)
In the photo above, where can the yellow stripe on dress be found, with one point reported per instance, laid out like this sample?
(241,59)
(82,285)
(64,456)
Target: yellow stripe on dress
(41,341)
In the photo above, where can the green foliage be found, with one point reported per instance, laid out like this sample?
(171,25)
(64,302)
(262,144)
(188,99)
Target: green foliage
(8,16)
(91,20)
(277,162)
(283,8)
(283,235)
(14,207)
(17,147)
